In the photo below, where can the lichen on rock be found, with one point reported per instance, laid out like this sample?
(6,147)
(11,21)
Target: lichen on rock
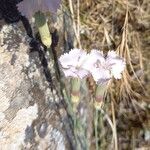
(13,133)
(28,119)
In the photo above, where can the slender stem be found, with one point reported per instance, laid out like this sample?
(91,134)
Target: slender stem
(96,130)
(76,129)
(114,122)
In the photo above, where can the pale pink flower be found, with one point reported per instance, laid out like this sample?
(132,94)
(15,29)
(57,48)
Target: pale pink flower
(29,7)
(117,64)
(92,58)
(101,75)
(72,62)
(104,68)
(77,63)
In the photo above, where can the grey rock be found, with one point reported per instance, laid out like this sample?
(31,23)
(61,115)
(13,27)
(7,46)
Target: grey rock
(28,119)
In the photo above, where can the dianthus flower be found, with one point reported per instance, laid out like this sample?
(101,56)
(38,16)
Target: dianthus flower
(104,68)
(29,7)
(77,63)
(72,63)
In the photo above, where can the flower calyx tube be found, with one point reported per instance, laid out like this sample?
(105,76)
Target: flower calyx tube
(43,28)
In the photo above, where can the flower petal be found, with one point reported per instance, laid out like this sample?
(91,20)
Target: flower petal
(69,73)
(118,68)
(72,63)
(101,75)
(111,54)
(83,73)
(73,58)
(116,64)
(92,58)
(29,7)
(52,5)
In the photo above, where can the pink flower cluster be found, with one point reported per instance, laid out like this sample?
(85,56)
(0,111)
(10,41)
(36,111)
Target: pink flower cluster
(79,64)
(29,7)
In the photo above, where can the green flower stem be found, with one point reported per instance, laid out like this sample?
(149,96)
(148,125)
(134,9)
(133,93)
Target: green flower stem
(72,102)
(42,26)
(96,129)
(79,129)
(80,134)
(73,116)
(100,91)
(75,121)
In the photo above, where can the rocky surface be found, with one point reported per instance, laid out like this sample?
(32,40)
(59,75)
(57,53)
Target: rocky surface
(29,116)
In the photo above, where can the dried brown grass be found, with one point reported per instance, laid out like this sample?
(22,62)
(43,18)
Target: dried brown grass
(123,26)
